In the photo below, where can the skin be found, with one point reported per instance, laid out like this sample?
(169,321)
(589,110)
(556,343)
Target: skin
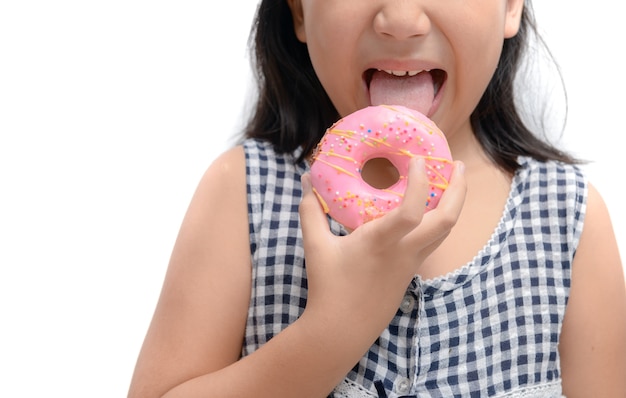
(193,345)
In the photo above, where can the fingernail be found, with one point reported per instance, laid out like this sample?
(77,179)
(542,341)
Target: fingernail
(460,166)
(420,163)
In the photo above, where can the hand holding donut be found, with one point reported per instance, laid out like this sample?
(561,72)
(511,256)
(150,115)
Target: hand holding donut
(371,267)
(357,282)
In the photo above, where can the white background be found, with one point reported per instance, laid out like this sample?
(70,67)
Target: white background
(110,111)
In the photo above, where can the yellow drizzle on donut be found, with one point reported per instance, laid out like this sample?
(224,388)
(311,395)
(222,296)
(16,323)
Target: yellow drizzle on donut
(335,154)
(322,201)
(339,169)
(394,192)
(343,133)
(418,121)
(445,183)
(371,141)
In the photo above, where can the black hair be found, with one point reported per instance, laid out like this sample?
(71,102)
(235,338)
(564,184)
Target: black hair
(496,121)
(293,110)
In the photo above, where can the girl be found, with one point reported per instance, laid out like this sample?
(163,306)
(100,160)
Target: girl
(512,287)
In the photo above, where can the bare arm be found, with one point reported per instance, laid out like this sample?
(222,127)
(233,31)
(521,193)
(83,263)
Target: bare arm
(199,320)
(593,342)
(193,344)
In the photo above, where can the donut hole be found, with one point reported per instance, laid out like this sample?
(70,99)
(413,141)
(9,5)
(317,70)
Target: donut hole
(380,173)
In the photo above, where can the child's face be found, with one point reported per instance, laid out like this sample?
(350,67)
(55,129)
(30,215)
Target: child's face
(459,41)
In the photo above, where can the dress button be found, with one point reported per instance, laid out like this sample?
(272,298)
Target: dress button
(408,303)
(402,386)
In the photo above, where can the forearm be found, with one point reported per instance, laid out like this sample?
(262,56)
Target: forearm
(307,359)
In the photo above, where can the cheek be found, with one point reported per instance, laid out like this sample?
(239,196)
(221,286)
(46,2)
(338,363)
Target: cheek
(325,44)
(478,53)
(478,26)
(326,61)
(334,61)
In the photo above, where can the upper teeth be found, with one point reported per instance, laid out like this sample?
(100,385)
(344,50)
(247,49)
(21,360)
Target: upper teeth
(403,72)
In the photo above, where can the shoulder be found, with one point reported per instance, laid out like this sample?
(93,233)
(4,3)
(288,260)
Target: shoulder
(221,190)
(216,221)
(222,182)
(598,245)
(598,215)
(228,169)
(593,343)
(597,252)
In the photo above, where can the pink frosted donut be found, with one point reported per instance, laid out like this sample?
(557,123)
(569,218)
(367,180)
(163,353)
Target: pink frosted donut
(394,133)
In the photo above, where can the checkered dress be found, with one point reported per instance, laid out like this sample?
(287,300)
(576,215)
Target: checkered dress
(491,328)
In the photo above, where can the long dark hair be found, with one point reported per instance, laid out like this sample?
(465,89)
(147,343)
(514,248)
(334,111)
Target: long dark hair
(293,111)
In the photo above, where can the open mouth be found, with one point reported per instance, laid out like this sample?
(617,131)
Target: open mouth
(415,89)
(438,76)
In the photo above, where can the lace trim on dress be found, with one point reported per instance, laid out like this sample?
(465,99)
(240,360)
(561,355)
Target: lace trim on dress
(548,390)
(350,389)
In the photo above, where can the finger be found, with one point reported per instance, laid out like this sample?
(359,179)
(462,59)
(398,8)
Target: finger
(413,204)
(408,215)
(454,196)
(437,223)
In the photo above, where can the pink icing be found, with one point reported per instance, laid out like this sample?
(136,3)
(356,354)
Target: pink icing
(395,133)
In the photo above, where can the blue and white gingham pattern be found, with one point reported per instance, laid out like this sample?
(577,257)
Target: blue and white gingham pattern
(490,328)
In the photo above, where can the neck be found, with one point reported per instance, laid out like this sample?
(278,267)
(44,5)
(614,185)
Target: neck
(465,147)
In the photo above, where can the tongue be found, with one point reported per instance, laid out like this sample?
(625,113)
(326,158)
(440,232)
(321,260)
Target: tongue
(415,92)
